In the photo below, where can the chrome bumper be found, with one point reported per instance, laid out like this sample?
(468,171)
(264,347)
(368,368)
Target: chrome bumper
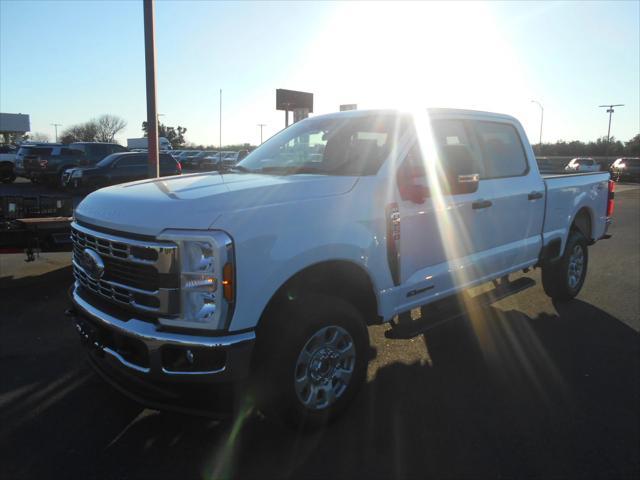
(94,325)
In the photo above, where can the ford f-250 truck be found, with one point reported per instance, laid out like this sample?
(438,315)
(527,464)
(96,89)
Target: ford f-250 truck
(273,269)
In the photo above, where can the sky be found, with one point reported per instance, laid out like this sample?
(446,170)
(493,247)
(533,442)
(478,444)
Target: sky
(68,61)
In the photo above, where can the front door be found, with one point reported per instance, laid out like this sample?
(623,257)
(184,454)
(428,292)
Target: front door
(440,237)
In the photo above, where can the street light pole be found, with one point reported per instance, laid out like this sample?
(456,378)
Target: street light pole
(150,64)
(541,119)
(220,137)
(261,125)
(55,126)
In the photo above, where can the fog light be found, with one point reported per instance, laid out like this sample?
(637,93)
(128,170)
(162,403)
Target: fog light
(190,357)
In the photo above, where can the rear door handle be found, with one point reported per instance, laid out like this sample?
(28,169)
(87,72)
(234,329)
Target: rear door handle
(535,195)
(481,204)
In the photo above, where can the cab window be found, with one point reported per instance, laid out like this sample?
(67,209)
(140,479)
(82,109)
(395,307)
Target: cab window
(502,151)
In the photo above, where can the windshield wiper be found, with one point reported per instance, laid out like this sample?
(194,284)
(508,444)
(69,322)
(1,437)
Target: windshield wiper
(236,169)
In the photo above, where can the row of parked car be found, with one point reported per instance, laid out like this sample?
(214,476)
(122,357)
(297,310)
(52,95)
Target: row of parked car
(207,159)
(92,165)
(625,168)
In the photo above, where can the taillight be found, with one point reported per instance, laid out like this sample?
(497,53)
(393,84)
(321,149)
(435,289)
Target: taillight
(179,167)
(43,163)
(611,198)
(393,241)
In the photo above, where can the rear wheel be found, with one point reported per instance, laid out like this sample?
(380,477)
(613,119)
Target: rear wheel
(563,279)
(312,361)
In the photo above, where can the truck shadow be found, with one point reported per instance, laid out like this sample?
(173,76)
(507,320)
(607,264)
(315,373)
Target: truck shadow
(501,394)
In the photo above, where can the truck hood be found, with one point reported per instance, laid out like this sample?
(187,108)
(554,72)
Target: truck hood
(195,201)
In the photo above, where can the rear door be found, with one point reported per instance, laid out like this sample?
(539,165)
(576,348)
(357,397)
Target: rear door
(512,224)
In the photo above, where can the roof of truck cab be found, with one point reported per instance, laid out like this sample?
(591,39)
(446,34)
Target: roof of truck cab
(431,111)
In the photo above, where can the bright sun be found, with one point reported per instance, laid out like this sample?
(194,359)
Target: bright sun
(412,55)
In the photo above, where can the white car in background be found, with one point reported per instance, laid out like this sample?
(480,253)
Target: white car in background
(582,165)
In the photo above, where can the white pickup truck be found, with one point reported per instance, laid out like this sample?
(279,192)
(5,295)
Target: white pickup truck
(273,269)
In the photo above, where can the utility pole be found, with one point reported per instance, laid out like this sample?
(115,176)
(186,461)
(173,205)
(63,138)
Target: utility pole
(541,120)
(55,126)
(150,64)
(610,112)
(261,125)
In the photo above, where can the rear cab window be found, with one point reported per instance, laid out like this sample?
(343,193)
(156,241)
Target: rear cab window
(502,150)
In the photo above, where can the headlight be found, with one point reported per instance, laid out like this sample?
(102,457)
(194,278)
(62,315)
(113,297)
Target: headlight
(76,173)
(207,280)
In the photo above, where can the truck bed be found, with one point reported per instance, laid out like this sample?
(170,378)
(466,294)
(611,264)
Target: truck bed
(568,194)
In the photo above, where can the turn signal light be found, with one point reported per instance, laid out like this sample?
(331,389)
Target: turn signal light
(227,283)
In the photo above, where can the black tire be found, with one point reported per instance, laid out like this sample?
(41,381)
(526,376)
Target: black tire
(279,350)
(556,279)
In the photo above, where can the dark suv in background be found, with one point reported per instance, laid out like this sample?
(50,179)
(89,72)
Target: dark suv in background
(47,163)
(117,168)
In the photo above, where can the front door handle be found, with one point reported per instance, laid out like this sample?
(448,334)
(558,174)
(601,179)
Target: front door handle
(535,195)
(481,204)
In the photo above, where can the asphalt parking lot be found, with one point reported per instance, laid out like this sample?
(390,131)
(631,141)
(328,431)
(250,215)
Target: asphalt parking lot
(518,387)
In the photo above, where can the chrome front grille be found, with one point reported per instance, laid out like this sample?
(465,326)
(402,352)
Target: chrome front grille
(138,274)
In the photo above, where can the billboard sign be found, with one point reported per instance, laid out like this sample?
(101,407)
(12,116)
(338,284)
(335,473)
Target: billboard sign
(14,123)
(292,100)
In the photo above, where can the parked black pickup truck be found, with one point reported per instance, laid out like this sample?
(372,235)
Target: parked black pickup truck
(117,168)
(49,164)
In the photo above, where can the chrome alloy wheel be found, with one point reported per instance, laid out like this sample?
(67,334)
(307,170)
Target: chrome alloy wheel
(324,367)
(576,266)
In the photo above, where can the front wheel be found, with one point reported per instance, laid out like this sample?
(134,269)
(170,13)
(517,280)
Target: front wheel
(563,279)
(313,360)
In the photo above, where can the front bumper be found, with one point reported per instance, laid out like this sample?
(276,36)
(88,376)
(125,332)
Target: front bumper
(140,349)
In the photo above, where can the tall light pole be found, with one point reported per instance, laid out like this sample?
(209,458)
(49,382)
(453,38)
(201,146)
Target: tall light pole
(261,125)
(541,120)
(220,132)
(55,126)
(150,67)
(610,112)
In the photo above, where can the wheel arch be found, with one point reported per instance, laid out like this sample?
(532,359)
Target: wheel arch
(342,278)
(583,222)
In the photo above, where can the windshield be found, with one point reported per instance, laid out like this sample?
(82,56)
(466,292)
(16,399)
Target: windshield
(107,160)
(329,146)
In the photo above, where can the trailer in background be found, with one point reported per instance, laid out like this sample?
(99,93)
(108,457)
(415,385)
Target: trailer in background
(143,143)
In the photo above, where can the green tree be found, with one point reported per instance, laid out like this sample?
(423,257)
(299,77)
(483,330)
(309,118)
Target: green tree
(175,135)
(632,147)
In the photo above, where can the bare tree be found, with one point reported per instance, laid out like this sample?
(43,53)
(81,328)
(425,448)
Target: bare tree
(108,126)
(39,137)
(82,132)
